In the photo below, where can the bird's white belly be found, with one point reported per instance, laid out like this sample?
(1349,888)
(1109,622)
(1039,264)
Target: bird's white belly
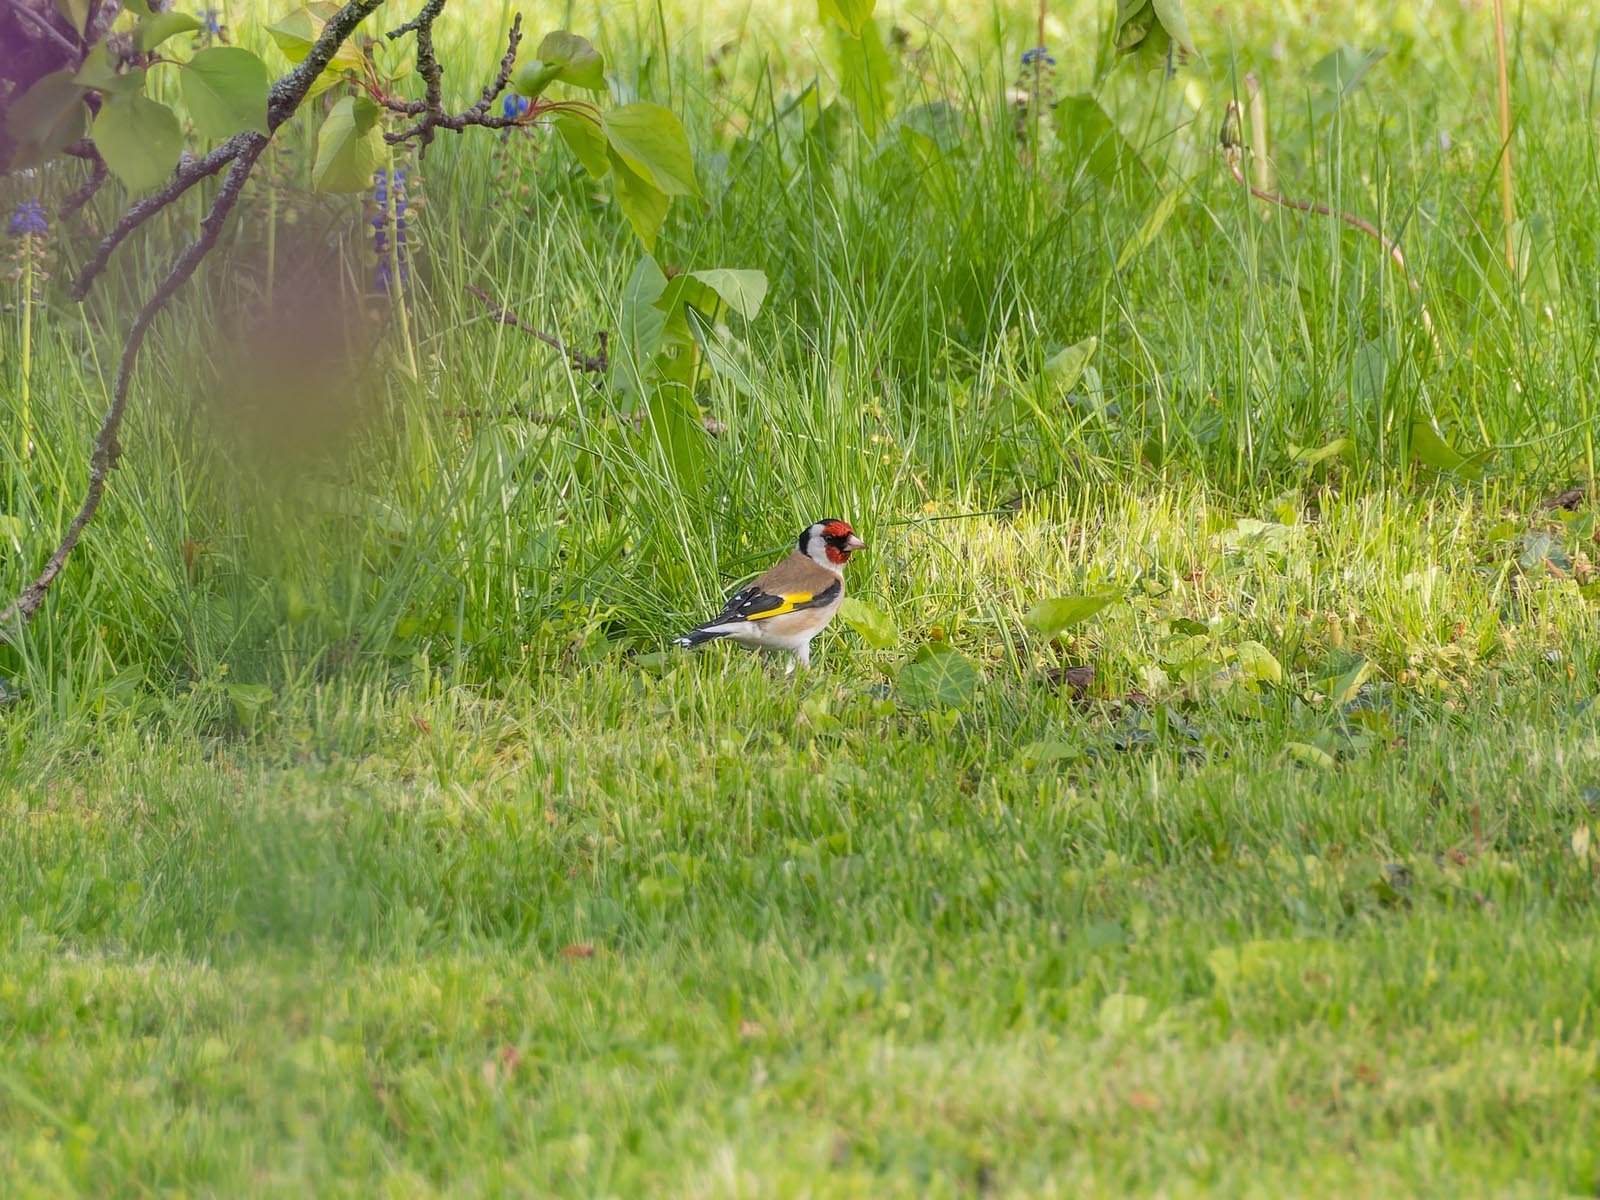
(788,632)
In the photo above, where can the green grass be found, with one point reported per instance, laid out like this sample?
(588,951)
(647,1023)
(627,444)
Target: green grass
(358,839)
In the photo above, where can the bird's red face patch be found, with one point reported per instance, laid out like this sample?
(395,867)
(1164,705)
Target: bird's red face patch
(837,529)
(839,540)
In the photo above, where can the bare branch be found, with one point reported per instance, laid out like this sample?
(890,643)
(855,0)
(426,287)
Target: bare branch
(107,446)
(580,361)
(86,191)
(43,25)
(242,151)
(431,109)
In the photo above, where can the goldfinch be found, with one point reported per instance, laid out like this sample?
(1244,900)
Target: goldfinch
(790,604)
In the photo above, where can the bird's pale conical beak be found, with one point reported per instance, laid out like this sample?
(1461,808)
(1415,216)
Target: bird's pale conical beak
(855,543)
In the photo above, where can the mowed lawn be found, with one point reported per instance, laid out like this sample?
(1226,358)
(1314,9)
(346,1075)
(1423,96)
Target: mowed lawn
(692,928)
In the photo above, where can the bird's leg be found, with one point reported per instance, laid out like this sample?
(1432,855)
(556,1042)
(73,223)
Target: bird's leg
(802,656)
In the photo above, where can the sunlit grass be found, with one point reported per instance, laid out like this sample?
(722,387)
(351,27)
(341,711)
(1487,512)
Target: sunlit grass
(359,837)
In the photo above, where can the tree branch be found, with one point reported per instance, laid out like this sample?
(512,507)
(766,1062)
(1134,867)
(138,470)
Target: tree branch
(43,25)
(242,151)
(431,108)
(580,361)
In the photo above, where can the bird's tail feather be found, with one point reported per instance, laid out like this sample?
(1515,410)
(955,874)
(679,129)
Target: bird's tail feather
(698,635)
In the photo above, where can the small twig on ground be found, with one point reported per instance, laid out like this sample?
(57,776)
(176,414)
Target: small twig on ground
(595,363)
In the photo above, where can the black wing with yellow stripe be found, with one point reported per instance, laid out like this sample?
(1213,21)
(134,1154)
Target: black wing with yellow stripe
(754,604)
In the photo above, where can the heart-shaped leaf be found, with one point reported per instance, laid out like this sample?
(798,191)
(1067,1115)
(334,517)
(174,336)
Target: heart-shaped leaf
(47,117)
(566,58)
(349,147)
(225,88)
(936,680)
(651,139)
(1051,617)
(874,625)
(139,139)
(158,27)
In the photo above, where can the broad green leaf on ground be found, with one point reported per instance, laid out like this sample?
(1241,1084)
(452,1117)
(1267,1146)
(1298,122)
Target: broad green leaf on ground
(1052,617)
(248,700)
(1311,756)
(139,139)
(935,679)
(1309,456)
(651,140)
(640,323)
(864,76)
(1122,1013)
(586,140)
(643,203)
(225,89)
(1346,685)
(1259,663)
(49,116)
(1064,368)
(349,147)
(875,626)
(158,27)
(1048,750)
(576,61)
(1336,75)
(849,15)
(1429,448)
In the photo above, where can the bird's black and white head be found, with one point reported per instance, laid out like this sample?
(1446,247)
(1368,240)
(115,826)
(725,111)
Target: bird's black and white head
(830,542)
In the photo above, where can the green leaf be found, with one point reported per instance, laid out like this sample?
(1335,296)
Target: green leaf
(248,699)
(876,627)
(1091,142)
(50,115)
(586,140)
(1344,448)
(1064,368)
(864,76)
(1151,227)
(938,679)
(75,11)
(1429,448)
(1311,756)
(1169,14)
(640,323)
(1336,75)
(576,61)
(741,291)
(299,31)
(1121,1013)
(1259,663)
(680,435)
(100,73)
(158,27)
(139,139)
(651,139)
(1052,617)
(1344,687)
(1037,754)
(850,15)
(533,77)
(644,204)
(349,147)
(225,89)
